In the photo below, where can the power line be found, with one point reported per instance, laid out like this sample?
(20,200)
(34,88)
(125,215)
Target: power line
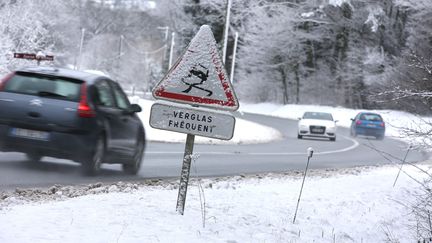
(145,52)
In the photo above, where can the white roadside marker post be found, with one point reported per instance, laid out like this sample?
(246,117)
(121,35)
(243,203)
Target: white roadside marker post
(310,153)
(402,164)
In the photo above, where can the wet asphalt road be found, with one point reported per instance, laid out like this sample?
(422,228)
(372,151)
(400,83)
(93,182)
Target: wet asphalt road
(163,160)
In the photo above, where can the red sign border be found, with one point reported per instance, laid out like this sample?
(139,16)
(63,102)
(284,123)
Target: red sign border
(230,104)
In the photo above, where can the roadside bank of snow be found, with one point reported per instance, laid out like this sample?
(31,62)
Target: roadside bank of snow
(242,131)
(347,205)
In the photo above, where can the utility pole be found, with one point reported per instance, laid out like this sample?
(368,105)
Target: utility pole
(121,46)
(166,29)
(225,37)
(234,57)
(120,54)
(77,66)
(171,50)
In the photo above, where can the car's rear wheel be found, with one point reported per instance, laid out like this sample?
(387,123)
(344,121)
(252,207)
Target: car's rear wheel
(353,133)
(133,167)
(92,165)
(34,157)
(380,137)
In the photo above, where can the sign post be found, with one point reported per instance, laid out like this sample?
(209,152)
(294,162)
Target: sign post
(199,79)
(31,56)
(184,177)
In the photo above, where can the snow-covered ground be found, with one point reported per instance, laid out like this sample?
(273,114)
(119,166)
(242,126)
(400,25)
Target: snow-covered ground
(346,205)
(355,205)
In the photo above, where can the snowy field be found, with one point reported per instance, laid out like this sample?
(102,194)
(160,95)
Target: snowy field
(346,205)
(355,205)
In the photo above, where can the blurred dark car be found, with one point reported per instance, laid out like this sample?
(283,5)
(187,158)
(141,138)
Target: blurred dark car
(70,114)
(368,124)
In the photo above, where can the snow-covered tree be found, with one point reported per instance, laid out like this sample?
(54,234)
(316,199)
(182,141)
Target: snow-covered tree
(25,27)
(317,51)
(409,84)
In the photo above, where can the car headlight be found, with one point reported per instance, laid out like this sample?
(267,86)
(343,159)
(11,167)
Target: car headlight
(331,128)
(303,127)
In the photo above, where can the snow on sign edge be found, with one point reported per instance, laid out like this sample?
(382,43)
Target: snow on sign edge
(231,102)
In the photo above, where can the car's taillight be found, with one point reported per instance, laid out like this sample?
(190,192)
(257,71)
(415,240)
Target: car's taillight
(84,109)
(4,80)
(382,124)
(358,122)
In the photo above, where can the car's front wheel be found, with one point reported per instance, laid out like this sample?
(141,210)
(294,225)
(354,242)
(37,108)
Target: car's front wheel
(333,139)
(133,167)
(299,136)
(92,165)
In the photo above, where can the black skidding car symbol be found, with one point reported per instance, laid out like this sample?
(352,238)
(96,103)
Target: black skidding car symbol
(197,71)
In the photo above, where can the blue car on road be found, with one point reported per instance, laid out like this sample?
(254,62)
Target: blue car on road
(368,124)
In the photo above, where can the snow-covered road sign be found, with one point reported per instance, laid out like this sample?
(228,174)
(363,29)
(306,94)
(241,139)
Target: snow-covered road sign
(199,76)
(192,121)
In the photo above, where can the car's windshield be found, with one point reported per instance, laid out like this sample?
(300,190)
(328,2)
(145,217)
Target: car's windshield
(318,115)
(52,87)
(370,117)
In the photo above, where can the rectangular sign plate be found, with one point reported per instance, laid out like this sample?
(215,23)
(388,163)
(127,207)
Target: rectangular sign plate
(192,121)
(33,56)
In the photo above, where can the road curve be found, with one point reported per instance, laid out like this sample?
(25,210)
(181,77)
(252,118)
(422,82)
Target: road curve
(163,160)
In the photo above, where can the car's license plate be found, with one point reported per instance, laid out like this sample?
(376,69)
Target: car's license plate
(317,130)
(31,134)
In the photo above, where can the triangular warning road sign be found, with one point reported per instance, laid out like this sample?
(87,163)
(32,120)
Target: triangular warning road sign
(199,77)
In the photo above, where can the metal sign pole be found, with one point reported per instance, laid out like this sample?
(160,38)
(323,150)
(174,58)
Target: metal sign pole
(184,177)
(171,50)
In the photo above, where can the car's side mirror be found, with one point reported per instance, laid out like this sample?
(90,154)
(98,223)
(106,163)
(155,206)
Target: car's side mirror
(352,119)
(299,118)
(336,121)
(133,108)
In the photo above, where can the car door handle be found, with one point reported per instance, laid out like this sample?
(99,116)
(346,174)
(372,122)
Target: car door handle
(34,114)
(110,116)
